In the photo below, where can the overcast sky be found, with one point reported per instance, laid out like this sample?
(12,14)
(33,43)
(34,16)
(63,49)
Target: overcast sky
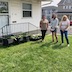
(54,3)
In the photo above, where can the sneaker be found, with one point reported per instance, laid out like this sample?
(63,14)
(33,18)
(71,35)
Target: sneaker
(68,45)
(43,41)
(56,41)
(52,41)
(62,44)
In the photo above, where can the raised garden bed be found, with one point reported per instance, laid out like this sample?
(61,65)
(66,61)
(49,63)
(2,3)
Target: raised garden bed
(15,39)
(7,40)
(19,38)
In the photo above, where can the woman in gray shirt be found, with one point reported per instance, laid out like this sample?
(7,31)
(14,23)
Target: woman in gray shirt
(54,25)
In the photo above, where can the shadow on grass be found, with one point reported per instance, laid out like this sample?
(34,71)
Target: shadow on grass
(58,46)
(11,45)
(3,47)
(36,42)
(53,45)
(46,44)
(8,46)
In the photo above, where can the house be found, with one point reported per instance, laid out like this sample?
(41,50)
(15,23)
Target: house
(13,12)
(65,8)
(48,11)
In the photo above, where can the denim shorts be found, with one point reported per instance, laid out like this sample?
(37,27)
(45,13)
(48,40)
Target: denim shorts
(55,30)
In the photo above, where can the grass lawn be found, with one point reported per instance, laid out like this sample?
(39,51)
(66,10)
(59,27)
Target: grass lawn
(37,57)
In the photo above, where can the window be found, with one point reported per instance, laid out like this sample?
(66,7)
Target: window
(64,7)
(3,7)
(69,7)
(27,10)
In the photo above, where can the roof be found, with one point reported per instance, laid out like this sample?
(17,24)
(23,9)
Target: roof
(50,7)
(46,0)
(61,2)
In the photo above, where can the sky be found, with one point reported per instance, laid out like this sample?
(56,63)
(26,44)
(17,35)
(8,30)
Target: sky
(54,3)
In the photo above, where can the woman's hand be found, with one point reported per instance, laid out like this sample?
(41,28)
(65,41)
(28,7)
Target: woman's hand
(63,30)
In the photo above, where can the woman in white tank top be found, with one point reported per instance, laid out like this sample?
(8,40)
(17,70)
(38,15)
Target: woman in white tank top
(64,25)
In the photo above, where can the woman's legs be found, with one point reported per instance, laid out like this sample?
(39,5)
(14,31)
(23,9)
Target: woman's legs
(66,36)
(52,36)
(43,34)
(56,37)
(62,36)
(54,33)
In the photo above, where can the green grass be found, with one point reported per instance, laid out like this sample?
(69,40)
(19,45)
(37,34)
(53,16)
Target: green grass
(37,57)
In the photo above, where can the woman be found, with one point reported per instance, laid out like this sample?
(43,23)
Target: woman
(64,25)
(54,25)
(43,26)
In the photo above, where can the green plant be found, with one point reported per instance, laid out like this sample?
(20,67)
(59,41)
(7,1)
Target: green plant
(35,36)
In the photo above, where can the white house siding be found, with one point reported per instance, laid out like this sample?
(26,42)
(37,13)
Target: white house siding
(15,12)
(15,15)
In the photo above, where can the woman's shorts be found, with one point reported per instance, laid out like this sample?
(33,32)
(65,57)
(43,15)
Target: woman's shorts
(55,30)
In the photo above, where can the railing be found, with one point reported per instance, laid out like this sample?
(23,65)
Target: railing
(19,27)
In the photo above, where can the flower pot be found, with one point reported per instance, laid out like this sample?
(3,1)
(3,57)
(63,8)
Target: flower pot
(16,41)
(26,38)
(35,38)
(7,42)
(21,40)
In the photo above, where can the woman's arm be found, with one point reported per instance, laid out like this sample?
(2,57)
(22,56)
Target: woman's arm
(66,27)
(68,24)
(57,22)
(47,24)
(40,24)
(60,24)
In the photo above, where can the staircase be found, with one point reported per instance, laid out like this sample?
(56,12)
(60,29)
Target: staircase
(19,28)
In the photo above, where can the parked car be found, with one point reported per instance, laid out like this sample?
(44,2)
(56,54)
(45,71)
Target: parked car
(71,23)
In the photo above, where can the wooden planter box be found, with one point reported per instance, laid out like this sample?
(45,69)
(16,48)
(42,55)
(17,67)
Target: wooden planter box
(7,42)
(14,40)
(26,38)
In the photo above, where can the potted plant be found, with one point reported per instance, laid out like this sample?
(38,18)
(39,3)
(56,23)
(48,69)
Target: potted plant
(7,40)
(35,37)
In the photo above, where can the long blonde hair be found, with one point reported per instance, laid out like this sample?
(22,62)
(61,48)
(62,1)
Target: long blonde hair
(64,16)
(62,19)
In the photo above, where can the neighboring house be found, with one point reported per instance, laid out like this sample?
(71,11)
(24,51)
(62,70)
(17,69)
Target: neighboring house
(65,8)
(20,11)
(48,11)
